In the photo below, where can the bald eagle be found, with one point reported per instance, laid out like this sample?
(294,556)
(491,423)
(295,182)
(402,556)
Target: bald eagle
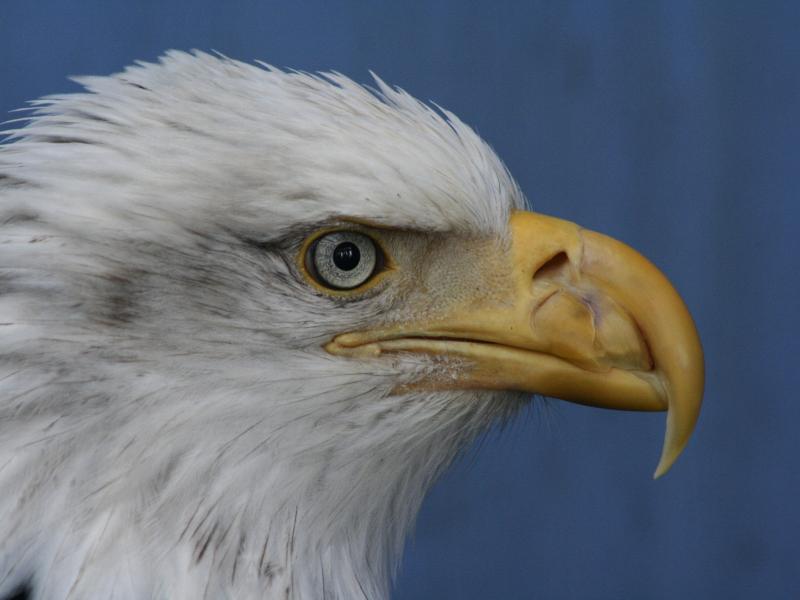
(248,316)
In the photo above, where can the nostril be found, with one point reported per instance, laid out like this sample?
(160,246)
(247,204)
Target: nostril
(554,268)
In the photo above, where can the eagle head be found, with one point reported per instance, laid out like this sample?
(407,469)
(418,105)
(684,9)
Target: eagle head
(248,316)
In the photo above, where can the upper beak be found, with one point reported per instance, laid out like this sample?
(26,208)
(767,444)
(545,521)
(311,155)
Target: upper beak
(589,320)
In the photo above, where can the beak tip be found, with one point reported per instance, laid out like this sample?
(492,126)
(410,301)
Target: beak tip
(668,457)
(672,450)
(662,468)
(684,408)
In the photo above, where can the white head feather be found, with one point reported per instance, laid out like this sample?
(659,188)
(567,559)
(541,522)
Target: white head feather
(169,423)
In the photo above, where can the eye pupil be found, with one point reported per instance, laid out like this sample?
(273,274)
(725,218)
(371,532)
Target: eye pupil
(346,256)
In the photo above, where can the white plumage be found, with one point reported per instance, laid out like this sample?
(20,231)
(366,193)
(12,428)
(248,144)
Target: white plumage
(170,426)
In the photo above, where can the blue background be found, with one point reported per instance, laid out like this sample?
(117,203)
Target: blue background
(670,124)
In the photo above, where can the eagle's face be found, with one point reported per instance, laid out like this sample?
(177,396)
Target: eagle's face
(249,316)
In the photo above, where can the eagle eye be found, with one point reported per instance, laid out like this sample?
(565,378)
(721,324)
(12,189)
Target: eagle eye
(343,260)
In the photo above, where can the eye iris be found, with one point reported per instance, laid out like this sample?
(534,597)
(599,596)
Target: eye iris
(346,256)
(342,260)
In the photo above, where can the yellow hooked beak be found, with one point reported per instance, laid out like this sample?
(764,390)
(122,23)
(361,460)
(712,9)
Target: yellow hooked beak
(590,320)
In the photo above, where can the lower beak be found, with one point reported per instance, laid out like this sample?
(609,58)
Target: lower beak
(589,320)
